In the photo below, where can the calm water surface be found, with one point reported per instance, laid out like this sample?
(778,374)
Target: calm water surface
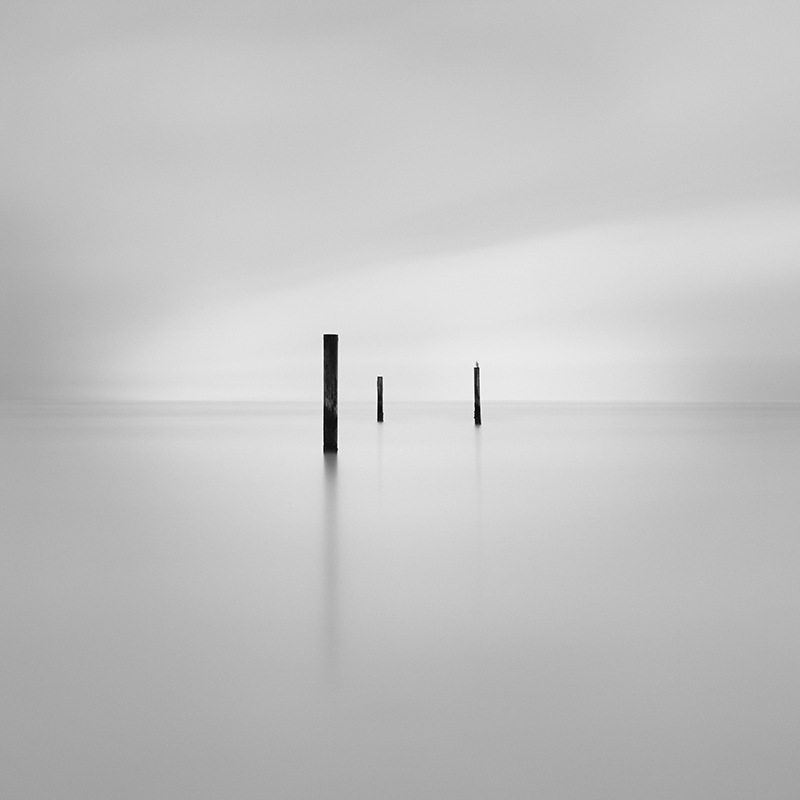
(569,602)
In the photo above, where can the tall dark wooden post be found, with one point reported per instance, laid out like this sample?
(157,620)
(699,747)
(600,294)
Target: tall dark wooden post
(380,398)
(330,410)
(477,373)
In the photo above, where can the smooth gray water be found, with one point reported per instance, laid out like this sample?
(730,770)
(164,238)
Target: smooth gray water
(570,602)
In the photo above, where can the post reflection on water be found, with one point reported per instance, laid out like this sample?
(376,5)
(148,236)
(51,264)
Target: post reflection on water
(330,534)
(478,474)
(379,447)
(478,523)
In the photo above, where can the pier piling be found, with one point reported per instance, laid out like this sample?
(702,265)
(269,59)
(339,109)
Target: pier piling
(477,387)
(330,409)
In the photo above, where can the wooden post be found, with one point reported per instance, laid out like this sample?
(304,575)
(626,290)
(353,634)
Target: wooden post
(380,398)
(477,373)
(330,410)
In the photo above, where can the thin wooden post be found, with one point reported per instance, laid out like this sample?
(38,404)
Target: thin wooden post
(380,398)
(477,374)
(330,409)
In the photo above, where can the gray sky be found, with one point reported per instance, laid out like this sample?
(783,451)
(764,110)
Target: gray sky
(618,181)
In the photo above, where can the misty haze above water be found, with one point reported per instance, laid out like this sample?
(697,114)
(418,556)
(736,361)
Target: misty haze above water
(569,602)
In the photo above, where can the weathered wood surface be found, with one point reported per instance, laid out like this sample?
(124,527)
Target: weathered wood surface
(477,375)
(330,410)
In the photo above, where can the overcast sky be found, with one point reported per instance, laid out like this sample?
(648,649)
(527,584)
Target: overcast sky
(599,200)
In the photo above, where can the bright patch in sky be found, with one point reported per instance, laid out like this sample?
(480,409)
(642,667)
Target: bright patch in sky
(684,307)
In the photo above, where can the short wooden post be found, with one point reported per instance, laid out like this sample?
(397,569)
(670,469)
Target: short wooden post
(477,373)
(380,398)
(330,409)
